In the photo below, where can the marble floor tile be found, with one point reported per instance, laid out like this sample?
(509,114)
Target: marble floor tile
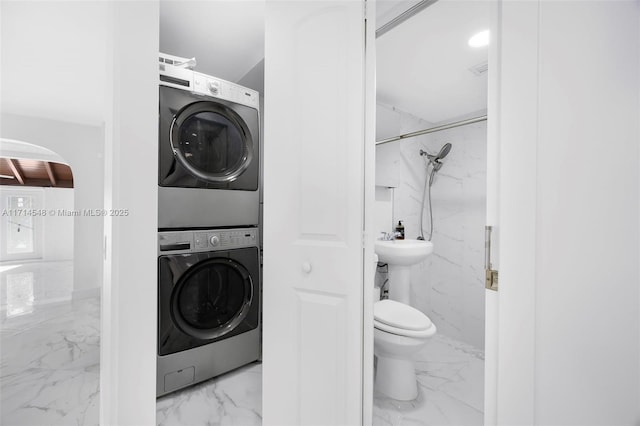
(26,286)
(234,398)
(50,372)
(50,360)
(49,347)
(450,388)
(39,396)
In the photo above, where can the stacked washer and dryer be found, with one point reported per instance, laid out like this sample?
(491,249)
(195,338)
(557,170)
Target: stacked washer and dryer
(209,280)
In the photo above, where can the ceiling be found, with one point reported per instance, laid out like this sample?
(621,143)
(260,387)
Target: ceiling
(54,53)
(54,57)
(28,172)
(423,64)
(225,37)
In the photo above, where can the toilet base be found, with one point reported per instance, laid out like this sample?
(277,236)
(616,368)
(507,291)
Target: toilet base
(396,378)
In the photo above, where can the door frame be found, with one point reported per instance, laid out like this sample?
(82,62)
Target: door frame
(369,214)
(509,374)
(511,207)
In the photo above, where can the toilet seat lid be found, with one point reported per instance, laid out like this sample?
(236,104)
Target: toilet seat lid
(399,315)
(420,334)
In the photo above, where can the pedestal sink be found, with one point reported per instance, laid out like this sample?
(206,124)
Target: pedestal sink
(400,255)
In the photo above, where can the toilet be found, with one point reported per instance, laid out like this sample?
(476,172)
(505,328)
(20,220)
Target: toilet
(399,332)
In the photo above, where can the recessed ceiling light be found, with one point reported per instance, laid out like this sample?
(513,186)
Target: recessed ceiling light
(480,39)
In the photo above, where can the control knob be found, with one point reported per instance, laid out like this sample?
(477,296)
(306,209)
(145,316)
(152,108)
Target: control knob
(214,87)
(214,240)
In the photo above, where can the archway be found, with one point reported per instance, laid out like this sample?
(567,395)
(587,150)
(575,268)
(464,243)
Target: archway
(36,187)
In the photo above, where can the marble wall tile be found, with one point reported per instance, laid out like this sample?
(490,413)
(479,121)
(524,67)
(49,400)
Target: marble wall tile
(383,215)
(388,165)
(449,285)
(387,122)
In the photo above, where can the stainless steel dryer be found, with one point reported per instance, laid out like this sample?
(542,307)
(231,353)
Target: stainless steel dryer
(208,304)
(209,147)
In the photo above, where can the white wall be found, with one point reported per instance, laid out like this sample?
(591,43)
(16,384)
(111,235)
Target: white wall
(129,296)
(587,281)
(449,285)
(53,62)
(58,234)
(82,147)
(569,111)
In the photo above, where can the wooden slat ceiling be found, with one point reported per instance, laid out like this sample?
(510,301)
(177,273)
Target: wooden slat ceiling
(20,172)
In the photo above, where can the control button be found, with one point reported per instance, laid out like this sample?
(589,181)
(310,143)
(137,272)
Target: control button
(201,241)
(306,267)
(214,240)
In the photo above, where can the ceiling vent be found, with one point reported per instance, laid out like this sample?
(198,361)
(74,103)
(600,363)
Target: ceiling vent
(480,69)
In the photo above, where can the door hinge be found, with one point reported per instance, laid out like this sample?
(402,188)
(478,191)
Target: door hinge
(491,279)
(491,275)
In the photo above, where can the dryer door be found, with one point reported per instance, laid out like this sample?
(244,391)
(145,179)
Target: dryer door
(211,142)
(212,298)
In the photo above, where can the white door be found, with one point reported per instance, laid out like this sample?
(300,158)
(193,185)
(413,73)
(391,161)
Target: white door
(314,147)
(21,222)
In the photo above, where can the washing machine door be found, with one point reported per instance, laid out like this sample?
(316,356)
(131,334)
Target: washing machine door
(211,141)
(211,298)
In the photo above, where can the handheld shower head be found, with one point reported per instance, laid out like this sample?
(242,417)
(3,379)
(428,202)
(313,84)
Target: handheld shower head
(436,165)
(435,159)
(443,151)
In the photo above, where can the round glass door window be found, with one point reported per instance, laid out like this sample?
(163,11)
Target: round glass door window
(211,298)
(211,141)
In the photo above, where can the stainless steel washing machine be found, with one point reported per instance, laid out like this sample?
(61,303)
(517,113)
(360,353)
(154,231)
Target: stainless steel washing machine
(209,148)
(208,304)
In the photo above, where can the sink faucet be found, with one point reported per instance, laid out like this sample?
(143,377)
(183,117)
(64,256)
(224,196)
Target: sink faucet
(389,236)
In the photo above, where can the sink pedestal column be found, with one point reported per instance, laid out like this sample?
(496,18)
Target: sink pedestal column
(399,283)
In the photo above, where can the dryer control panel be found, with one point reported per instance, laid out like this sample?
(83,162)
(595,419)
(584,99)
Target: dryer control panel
(223,89)
(206,240)
(180,76)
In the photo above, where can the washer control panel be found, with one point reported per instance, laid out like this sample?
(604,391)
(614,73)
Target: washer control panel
(206,240)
